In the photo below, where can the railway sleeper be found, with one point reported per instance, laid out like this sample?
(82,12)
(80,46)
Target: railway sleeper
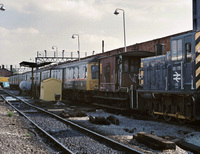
(154,142)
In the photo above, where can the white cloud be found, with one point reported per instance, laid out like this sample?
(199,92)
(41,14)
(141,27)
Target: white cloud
(84,8)
(30,25)
(95,42)
(18,31)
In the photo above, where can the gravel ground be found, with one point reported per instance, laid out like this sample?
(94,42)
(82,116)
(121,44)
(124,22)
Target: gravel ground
(14,135)
(16,142)
(76,141)
(128,127)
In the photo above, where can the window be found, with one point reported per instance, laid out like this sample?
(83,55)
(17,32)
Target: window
(67,73)
(188,52)
(107,73)
(73,70)
(125,65)
(134,66)
(70,73)
(132,69)
(85,72)
(76,72)
(95,71)
(176,49)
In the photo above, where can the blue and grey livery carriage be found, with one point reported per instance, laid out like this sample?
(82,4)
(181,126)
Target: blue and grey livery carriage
(171,83)
(79,78)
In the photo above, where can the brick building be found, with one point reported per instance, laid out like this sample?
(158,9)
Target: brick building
(5,73)
(146,46)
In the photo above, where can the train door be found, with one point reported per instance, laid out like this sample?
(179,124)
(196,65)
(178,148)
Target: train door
(181,62)
(176,63)
(118,68)
(64,76)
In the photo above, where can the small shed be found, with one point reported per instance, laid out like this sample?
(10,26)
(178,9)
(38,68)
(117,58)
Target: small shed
(51,88)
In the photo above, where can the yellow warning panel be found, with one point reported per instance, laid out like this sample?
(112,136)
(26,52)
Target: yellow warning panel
(51,88)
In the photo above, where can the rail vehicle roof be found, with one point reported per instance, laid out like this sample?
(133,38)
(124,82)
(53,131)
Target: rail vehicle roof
(88,60)
(183,35)
(31,64)
(136,53)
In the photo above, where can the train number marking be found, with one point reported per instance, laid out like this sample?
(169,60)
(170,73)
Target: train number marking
(177,77)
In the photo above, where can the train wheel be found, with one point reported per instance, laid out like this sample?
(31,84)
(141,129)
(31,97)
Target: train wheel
(155,116)
(167,108)
(150,112)
(155,108)
(167,117)
(181,120)
(150,108)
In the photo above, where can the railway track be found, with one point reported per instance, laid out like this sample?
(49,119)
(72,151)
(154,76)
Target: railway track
(68,136)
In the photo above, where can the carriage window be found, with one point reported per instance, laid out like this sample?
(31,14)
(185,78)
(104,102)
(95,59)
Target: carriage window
(67,73)
(134,65)
(73,73)
(188,52)
(176,49)
(95,71)
(76,72)
(107,72)
(125,65)
(85,72)
(70,73)
(137,64)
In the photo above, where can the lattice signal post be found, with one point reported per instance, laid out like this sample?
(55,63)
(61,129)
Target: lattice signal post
(45,56)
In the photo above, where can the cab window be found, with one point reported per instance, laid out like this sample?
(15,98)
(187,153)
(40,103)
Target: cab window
(176,49)
(95,71)
(85,73)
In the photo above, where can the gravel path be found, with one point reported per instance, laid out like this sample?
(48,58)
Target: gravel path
(74,140)
(128,127)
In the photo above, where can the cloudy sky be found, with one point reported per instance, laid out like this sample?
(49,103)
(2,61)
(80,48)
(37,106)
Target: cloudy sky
(28,26)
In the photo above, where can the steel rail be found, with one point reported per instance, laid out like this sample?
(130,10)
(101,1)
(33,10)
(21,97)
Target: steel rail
(65,149)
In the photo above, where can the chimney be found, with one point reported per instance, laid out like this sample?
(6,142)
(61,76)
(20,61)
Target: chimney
(159,49)
(11,68)
(102,46)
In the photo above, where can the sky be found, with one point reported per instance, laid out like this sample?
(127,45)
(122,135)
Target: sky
(28,26)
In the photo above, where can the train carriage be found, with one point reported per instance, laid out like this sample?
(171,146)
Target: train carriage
(118,73)
(79,78)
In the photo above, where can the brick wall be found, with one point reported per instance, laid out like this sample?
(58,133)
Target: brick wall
(146,46)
